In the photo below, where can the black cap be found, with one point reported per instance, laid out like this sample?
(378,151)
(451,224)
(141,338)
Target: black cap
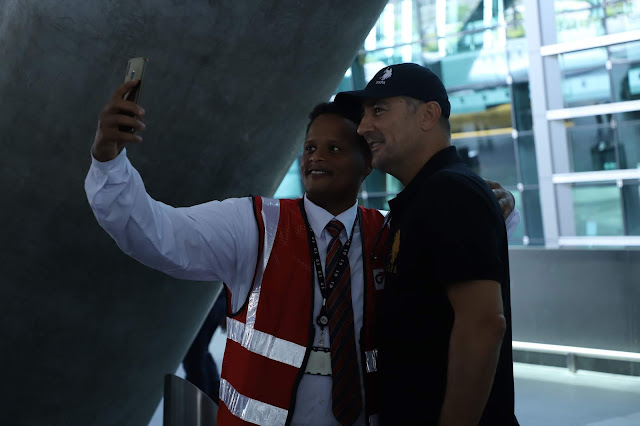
(408,79)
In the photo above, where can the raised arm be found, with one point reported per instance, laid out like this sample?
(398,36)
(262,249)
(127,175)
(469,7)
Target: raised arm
(212,241)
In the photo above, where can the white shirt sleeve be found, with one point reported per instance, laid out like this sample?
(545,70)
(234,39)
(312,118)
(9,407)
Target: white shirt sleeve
(217,240)
(512,222)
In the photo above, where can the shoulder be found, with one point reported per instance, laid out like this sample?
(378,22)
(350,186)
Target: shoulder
(457,194)
(461,184)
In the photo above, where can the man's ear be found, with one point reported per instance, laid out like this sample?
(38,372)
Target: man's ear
(430,113)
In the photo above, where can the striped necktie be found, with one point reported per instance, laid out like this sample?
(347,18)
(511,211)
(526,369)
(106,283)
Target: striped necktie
(347,401)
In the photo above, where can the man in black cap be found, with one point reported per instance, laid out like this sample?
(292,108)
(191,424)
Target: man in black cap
(444,322)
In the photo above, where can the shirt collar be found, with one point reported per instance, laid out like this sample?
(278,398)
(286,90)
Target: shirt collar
(319,217)
(438,161)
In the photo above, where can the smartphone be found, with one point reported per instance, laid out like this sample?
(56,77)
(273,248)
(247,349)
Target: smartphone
(135,70)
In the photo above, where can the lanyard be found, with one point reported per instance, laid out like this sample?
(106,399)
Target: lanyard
(323,319)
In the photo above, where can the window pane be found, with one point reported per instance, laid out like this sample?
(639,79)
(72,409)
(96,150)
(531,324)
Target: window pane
(395,25)
(580,24)
(291,186)
(393,185)
(376,60)
(491,157)
(527,157)
(475,58)
(592,147)
(514,14)
(631,203)
(586,87)
(622,16)
(597,210)
(456,16)
(626,52)
(625,60)
(629,135)
(575,5)
(532,216)
(380,203)
(375,182)
(522,105)
(346,83)
(479,110)
(518,58)
(582,59)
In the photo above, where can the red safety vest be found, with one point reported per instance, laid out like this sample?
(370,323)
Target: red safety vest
(269,339)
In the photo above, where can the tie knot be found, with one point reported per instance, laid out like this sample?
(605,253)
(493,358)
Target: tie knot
(334,227)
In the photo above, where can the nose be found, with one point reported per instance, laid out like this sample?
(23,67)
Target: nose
(316,156)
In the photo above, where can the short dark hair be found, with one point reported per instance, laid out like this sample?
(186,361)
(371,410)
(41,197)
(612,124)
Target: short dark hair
(345,111)
(412,107)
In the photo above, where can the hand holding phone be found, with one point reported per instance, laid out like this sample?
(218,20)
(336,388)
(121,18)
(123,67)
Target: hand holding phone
(120,118)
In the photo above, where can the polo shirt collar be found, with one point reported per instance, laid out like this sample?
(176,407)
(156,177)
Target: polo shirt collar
(319,217)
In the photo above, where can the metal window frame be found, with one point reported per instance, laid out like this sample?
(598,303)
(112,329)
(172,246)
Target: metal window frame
(590,43)
(591,110)
(596,176)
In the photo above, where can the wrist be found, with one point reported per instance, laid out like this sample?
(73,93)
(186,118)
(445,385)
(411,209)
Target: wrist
(108,152)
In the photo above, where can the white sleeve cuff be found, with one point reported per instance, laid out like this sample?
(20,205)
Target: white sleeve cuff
(118,164)
(512,222)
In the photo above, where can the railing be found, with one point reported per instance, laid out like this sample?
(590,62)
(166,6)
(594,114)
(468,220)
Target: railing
(573,351)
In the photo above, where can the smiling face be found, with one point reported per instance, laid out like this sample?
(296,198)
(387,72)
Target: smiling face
(334,163)
(402,134)
(391,131)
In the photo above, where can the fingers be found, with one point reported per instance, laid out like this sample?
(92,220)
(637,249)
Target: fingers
(505,200)
(119,114)
(118,106)
(492,184)
(500,193)
(117,124)
(505,207)
(114,128)
(124,89)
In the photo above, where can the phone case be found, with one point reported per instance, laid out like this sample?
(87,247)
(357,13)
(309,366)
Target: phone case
(135,69)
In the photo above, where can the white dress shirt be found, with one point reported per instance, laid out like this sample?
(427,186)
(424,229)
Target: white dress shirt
(218,240)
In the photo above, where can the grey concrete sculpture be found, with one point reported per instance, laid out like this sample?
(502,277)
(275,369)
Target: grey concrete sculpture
(88,334)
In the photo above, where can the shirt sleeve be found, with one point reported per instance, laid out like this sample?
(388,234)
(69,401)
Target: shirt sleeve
(512,222)
(217,240)
(467,232)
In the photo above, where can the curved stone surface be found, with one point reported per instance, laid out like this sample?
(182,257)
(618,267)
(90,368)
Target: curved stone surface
(87,333)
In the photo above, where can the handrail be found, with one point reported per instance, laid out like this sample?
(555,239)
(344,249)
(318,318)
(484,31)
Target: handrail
(569,350)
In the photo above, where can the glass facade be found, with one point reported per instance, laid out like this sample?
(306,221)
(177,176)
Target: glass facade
(480,51)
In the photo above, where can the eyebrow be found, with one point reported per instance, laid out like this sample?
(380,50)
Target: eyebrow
(372,102)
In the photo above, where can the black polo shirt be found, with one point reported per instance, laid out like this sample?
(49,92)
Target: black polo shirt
(446,227)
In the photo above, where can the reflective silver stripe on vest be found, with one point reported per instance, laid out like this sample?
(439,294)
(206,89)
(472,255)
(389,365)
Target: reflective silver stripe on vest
(270,217)
(265,344)
(250,410)
(371,360)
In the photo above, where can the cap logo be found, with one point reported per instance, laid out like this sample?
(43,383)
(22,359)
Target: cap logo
(387,74)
